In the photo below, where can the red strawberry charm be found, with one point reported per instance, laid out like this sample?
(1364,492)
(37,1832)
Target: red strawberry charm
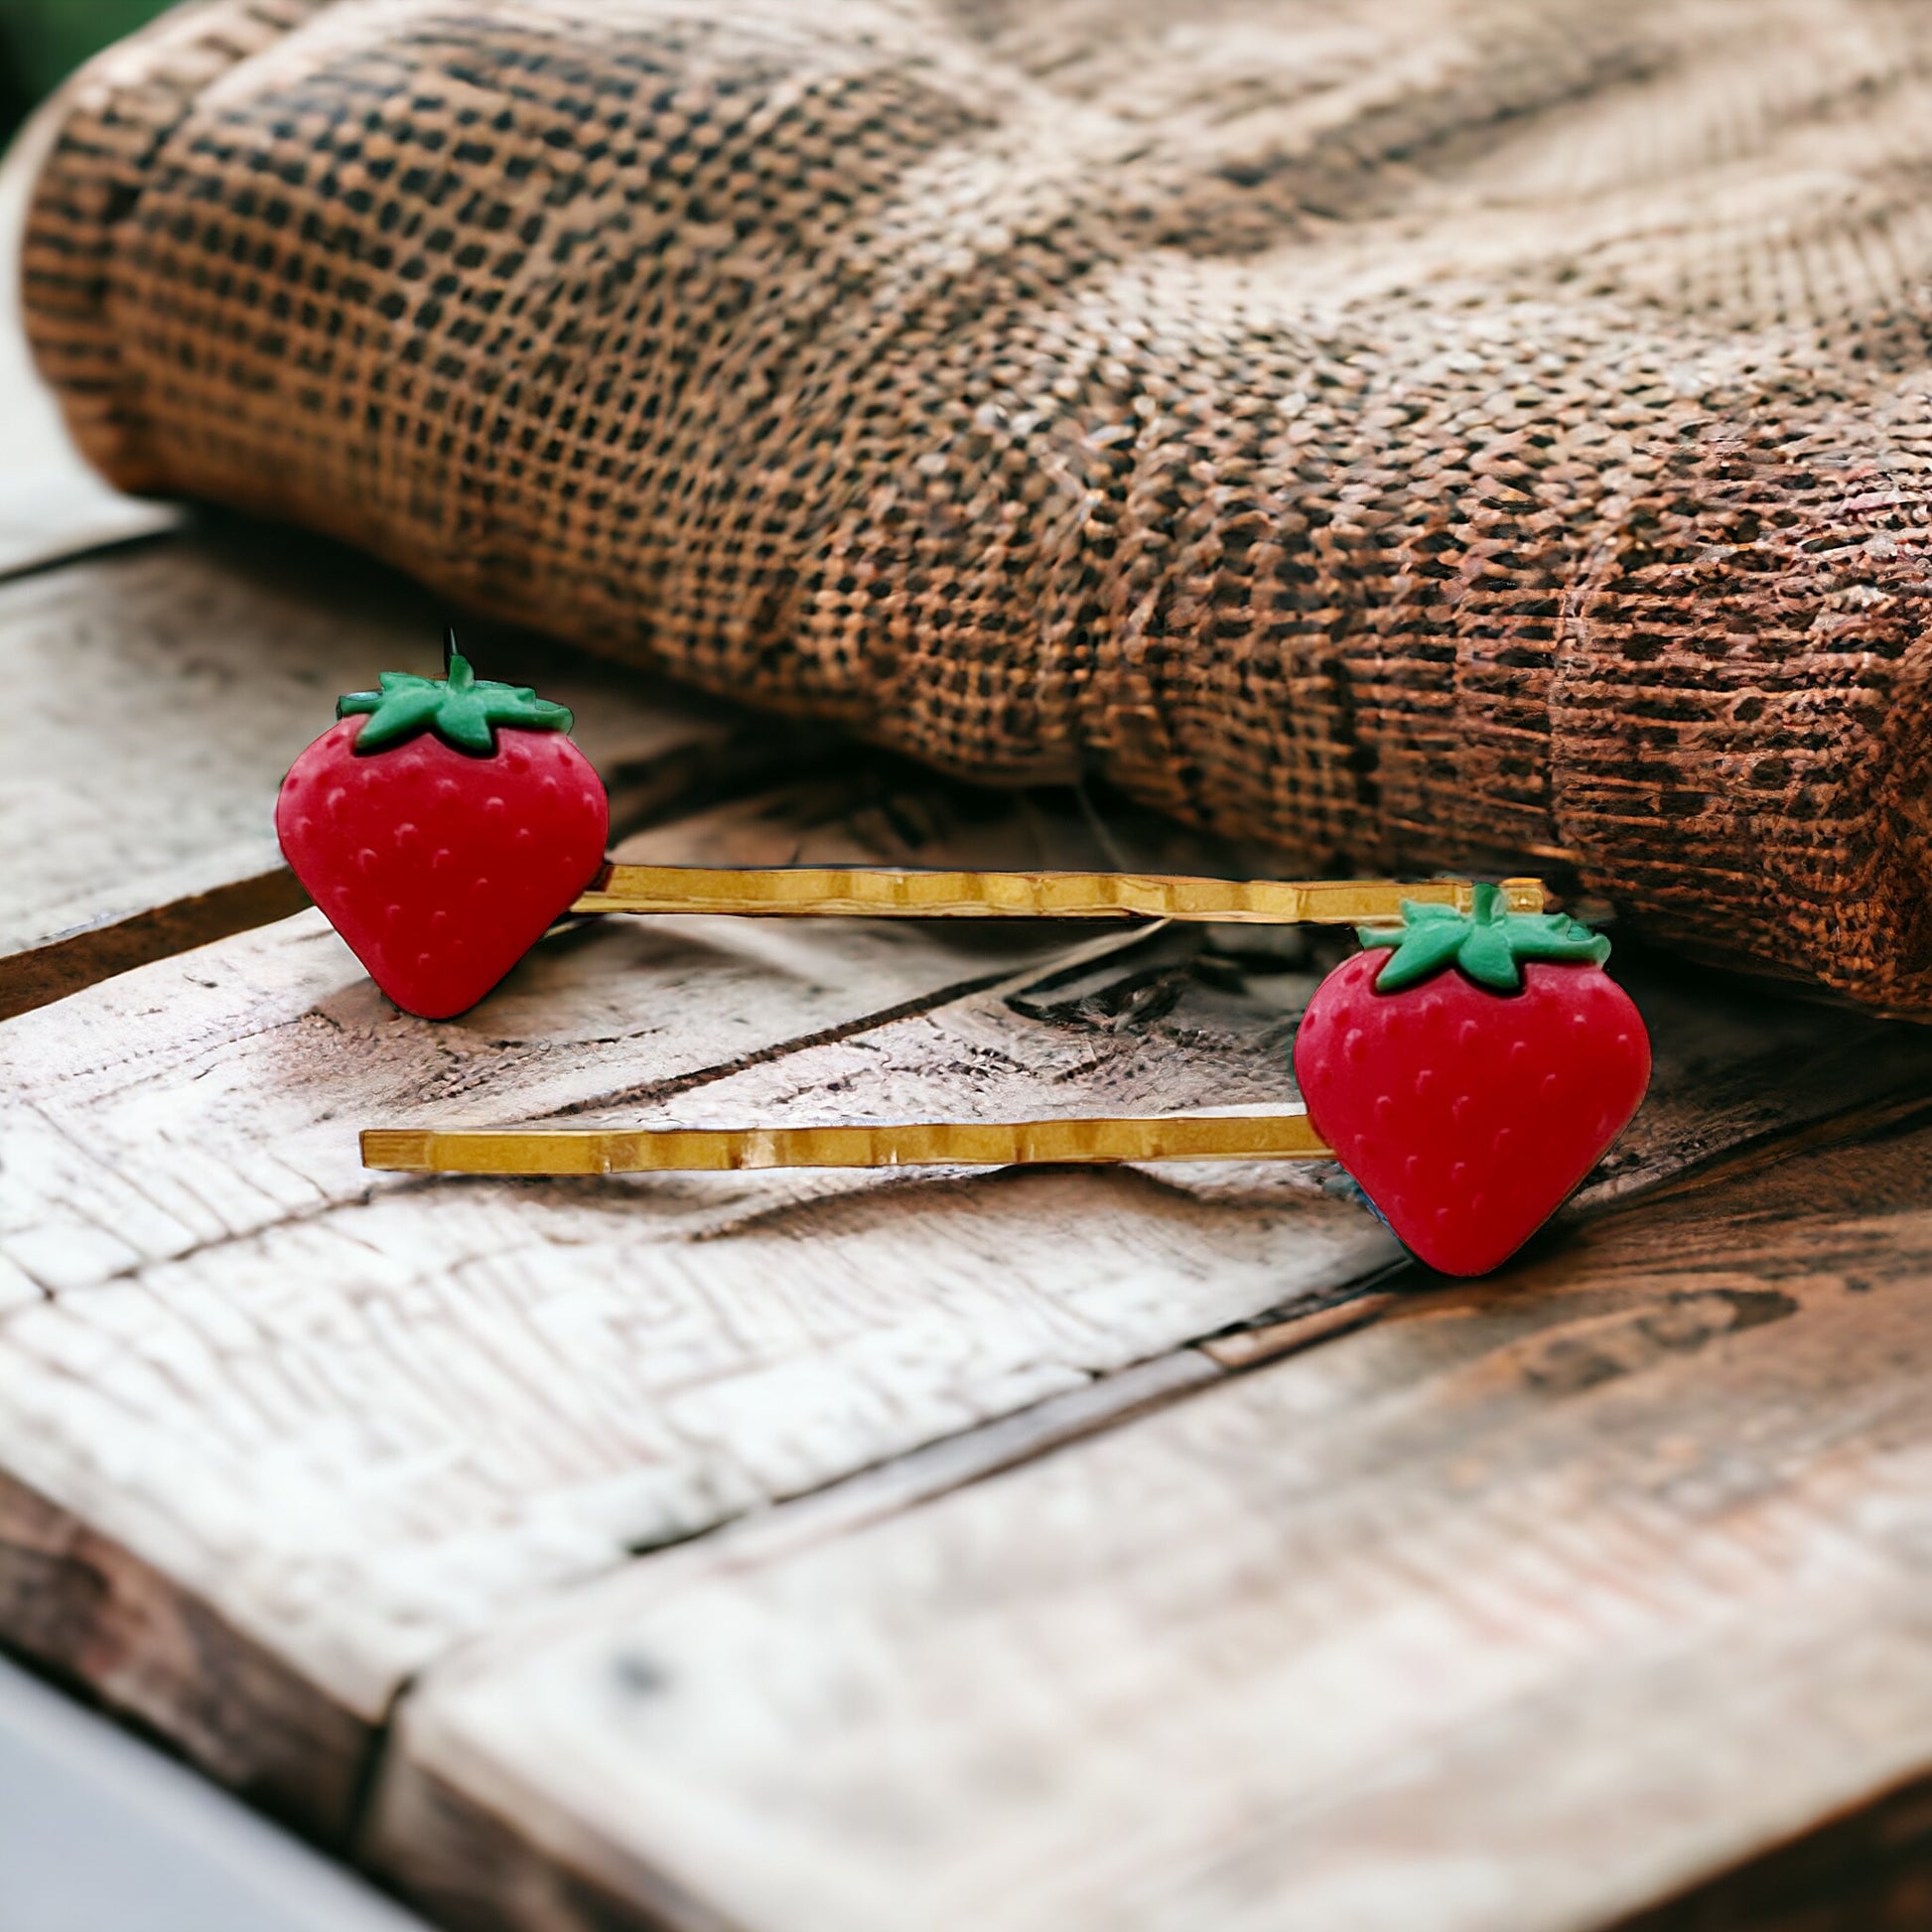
(1471,1074)
(441,827)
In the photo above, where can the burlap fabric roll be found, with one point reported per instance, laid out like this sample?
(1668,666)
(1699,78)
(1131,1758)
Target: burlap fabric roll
(1416,432)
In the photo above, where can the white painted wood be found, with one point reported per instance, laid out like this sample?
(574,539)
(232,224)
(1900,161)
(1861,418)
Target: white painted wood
(1520,1610)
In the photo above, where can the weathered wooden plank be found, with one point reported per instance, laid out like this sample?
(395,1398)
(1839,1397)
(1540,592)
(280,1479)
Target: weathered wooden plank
(169,690)
(1869,1870)
(138,1182)
(342,1422)
(1527,1607)
(204,1282)
(87,1607)
(51,504)
(351,1421)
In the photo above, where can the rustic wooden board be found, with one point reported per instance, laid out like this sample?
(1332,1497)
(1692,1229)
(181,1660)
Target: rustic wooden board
(350,1420)
(1528,1605)
(313,1427)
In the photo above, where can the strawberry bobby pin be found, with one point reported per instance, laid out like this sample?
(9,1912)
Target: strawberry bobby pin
(1467,1068)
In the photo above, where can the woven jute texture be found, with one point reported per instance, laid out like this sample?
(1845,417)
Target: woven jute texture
(1416,432)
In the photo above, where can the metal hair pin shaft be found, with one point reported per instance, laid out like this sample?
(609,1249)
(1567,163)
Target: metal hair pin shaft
(1285,1136)
(863,892)
(818,891)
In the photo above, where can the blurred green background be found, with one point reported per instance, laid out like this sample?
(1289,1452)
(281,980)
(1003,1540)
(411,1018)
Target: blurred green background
(40,41)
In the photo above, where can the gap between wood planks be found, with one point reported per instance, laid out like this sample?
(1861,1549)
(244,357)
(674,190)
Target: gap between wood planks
(40,975)
(76,547)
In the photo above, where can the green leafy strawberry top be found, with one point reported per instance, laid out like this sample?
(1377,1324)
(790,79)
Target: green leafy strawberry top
(1490,942)
(461,709)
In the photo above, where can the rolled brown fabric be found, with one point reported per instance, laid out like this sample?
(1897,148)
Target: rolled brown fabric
(1418,432)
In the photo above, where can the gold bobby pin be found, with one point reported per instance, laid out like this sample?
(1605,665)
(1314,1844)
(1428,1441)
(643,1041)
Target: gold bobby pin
(863,892)
(1285,1136)
(813,891)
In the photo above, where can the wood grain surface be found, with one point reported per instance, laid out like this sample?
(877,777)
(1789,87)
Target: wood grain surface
(1527,1605)
(412,1405)
(331,1424)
